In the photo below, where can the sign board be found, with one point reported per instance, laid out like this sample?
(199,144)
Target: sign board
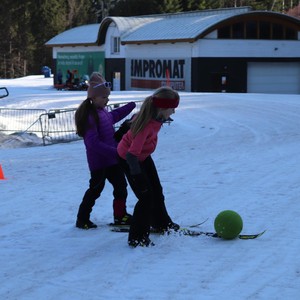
(80,64)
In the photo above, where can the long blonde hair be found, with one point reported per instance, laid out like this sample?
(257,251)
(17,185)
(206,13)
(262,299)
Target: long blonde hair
(148,111)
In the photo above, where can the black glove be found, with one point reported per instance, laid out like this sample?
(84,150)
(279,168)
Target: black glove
(125,126)
(140,183)
(133,163)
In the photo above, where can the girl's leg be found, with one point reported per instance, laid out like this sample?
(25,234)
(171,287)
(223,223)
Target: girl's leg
(96,186)
(159,215)
(140,223)
(116,177)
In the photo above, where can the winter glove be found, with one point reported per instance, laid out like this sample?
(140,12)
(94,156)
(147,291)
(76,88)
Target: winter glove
(125,126)
(138,178)
(133,163)
(140,183)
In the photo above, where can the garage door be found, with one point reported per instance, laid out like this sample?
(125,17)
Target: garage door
(273,78)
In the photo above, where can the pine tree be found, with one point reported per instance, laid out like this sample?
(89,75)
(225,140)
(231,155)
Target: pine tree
(26,25)
(170,6)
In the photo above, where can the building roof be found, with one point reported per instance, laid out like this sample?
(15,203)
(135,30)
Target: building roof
(160,28)
(184,26)
(81,35)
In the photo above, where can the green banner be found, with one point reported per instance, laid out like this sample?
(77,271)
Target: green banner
(79,64)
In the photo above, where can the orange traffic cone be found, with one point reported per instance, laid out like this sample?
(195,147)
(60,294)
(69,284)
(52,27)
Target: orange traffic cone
(1,173)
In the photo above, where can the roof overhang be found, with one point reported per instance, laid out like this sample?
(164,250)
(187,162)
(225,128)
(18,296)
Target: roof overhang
(71,45)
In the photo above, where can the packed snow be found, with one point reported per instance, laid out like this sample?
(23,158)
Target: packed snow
(223,151)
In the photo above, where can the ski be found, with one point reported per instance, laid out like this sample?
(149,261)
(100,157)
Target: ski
(127,226)
(118,225)
(180,231)
(251,236)
(240,236)
(199,224)
(188,232)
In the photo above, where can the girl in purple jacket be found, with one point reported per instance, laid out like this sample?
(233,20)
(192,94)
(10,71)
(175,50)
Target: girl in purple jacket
(95,124)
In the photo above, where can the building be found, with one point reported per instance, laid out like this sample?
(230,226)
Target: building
(224,50)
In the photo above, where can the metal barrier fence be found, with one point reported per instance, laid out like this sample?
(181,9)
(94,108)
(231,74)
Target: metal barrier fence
(20,120)
(53,126)
(58,126)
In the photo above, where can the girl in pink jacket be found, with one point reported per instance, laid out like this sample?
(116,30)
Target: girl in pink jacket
(135,151)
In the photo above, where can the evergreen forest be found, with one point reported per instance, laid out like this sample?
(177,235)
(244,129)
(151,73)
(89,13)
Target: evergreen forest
(26,25)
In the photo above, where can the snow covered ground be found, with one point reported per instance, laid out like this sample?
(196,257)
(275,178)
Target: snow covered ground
(223,151)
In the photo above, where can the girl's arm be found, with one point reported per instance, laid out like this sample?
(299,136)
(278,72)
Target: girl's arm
(120,113)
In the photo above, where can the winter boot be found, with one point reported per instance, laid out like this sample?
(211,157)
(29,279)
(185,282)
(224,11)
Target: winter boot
(143,242)
(85,225)
(125,220)
(121,217)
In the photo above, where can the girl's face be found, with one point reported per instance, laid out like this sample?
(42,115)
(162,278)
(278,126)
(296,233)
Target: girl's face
(166,113)
(100,102)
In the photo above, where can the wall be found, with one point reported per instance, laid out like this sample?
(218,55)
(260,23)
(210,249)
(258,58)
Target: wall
(219,75)
(113,66)
(246,48)
(150,66)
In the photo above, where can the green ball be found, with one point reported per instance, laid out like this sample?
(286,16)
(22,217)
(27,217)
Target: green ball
(228,224)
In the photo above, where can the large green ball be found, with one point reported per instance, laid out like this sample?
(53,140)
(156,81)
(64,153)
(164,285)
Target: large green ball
(228,224)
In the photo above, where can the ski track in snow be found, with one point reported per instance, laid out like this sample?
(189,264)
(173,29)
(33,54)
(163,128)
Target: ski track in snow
(223,151)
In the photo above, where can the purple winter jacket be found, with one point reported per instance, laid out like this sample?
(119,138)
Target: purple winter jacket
(101,147)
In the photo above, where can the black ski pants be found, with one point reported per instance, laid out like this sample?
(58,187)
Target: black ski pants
(115,175)
(150,209)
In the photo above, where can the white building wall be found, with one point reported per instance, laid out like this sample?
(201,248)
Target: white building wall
(112,32)
(161,50)
(174,52)
(246,48)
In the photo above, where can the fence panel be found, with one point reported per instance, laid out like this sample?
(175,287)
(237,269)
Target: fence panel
(53,126)
(58,126)
(20,120)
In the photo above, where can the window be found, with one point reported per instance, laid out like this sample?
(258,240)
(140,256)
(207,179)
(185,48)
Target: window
(251,30)
(115,45)
(224,32)
(238,30)
(278,32)
(290,34)
(263,30)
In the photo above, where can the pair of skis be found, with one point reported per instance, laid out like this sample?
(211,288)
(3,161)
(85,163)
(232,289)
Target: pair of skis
(187,231)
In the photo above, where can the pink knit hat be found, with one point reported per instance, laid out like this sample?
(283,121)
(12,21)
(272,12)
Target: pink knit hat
(98,86)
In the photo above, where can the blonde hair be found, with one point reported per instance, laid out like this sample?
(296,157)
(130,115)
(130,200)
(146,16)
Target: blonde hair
(148,111)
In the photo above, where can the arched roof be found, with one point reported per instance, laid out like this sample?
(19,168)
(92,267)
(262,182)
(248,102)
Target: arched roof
(166,27)
(162,28)
(125,25)
(255,16)
(183,27)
